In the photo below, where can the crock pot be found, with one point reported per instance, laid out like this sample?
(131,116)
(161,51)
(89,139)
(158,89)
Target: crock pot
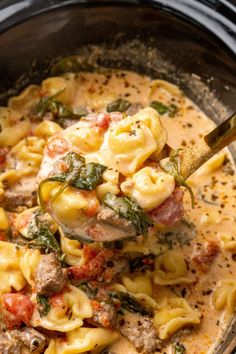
(189,42)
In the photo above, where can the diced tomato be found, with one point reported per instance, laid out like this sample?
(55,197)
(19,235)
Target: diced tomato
(94,267)
(2,235)
(102,121)
(93,203)
(17,308)
(170,211)
(57,145)
(207,255)
(3,155)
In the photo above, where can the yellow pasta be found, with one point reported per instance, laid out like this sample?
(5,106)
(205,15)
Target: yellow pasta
(171,268)
(26,100)
(84,137)
(69,205)
(46,129)
(82,340)
(225,296)
(149,187)
(138,284)
(110,184)
(72,250)
(29,153)
(133,140)
(60,87)
(10,272)
(66,315)
(28,263)
(173,314)
(228,242)
(9,135)
(4,223)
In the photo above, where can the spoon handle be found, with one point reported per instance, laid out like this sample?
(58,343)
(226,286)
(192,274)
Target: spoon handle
(192,158)
(222,135)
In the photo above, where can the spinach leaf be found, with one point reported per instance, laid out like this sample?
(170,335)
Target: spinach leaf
(161,108)
(81,176)
(120,105)
(44,307)
(41,236)
(90,176)
(58,110)
(128,208)
(74,162)
(171,166)
(90,290)
(129,303)
(179,348)
(72,64)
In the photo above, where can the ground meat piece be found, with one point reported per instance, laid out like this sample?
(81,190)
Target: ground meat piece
(32,339)
(49,276)
(171,211)
(104,314)
(9,344)
(140,331)
(111,217)
(12,200)
(204,257)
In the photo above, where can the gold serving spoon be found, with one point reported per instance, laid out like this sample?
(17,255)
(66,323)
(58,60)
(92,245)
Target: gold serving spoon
(182,163)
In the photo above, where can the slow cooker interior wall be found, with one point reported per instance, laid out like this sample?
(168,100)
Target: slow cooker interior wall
(62,31)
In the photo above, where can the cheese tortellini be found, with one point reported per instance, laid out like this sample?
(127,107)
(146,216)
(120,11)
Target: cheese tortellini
(138,284)
(72,249)
(61,88)
(10,271)
(228,242)
(82,340)
(171,268)
(47,128)
(173,314)
(134,139)
(26,100)
(110,183)
(9,135)
(69,205)
(68,309)
(149,187)
(87,139)
(4,223)
(225,296)
(28,154)
(28,264)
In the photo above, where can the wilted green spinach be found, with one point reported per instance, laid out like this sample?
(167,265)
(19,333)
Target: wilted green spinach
(44,307)
(129,209)
(119,105)
(171,166)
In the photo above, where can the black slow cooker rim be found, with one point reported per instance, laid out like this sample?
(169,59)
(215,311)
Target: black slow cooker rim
(214,16)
